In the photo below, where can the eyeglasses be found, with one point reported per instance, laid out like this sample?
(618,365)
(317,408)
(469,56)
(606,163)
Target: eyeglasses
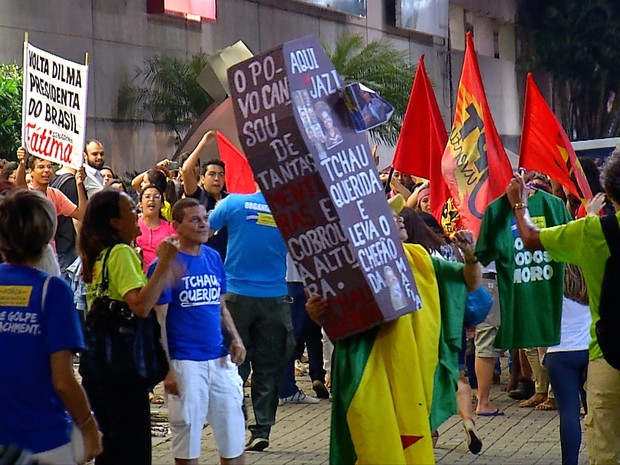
(152,197)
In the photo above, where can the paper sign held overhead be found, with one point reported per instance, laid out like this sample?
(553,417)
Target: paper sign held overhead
(54,107)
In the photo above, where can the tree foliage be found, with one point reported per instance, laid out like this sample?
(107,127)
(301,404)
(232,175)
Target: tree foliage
(10,110)
(578,43)
(165,90)
(381,67)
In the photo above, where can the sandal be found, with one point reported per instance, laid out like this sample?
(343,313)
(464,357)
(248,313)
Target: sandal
(547,405)
(533,401)
(155,399)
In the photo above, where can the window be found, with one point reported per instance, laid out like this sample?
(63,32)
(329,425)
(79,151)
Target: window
(192,10)
(353,7)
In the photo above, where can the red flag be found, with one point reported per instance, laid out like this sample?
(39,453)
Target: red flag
(474,164)
(422,140)
(545,146)
(239,176)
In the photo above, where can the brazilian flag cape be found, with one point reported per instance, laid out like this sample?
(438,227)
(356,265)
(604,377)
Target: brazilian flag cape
(391,381)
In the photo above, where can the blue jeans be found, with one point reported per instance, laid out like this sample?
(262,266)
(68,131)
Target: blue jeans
(304,330)
(567,374)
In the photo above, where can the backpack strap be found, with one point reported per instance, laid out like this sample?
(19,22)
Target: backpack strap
(61,180)
(611,230)
(44,291)
(104,271)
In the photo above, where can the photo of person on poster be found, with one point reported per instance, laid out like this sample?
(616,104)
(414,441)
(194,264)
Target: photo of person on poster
(332,134)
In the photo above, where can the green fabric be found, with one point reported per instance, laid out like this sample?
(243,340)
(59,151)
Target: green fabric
(582,243)
(124,273)
(349,362)
(452,295)
(530,283)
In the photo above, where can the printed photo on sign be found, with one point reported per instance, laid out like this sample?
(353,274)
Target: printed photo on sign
(366,108)
(332,133)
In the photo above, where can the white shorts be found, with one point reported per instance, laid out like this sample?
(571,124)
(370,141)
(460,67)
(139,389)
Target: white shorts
(62,455)
(210,390)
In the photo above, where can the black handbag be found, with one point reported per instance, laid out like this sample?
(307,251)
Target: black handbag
(119,344)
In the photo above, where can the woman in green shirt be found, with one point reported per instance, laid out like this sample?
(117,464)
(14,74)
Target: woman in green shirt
(121,403)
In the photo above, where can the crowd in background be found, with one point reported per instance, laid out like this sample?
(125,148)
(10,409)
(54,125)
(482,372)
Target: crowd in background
(244,283)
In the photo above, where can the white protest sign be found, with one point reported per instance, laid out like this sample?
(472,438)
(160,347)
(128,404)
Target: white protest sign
(54,107)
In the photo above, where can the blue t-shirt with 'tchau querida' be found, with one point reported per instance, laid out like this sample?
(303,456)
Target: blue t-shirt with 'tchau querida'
(194,317)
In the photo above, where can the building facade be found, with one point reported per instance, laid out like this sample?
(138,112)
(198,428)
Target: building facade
(119,34)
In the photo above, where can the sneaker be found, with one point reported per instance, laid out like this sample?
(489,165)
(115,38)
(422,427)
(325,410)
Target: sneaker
(320,389)
(300,397)
(257,444)
(473,441)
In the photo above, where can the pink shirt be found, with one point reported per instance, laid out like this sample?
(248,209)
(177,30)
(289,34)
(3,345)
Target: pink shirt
(149,239)
(62,204)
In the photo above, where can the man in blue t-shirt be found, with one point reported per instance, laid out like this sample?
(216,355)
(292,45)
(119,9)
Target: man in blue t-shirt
(258,301)
(203,382)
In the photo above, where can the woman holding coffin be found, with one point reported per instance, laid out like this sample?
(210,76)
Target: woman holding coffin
(382,378)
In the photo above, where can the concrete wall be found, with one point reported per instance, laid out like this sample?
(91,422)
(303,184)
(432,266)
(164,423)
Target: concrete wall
(120,34)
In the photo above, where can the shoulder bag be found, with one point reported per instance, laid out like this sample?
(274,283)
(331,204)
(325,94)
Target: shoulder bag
(119,344)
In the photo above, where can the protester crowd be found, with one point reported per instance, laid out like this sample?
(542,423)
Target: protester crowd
(212,269)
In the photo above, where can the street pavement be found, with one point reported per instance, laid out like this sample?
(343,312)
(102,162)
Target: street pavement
(523,436)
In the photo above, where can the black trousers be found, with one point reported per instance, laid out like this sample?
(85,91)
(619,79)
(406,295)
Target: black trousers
(122,409)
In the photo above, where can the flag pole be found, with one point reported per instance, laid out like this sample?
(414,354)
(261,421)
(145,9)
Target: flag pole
(389,180)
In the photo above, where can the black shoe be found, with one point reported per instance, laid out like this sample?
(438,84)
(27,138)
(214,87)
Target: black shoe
(257,444)
(320,389)
(525,390)
(473,441)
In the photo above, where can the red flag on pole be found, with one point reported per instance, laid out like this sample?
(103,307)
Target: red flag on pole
(474,164)
(545,146)
(238,174)
(423,139)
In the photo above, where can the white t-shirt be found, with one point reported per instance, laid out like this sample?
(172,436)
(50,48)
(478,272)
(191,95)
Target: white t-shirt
(575,330)
(292,274)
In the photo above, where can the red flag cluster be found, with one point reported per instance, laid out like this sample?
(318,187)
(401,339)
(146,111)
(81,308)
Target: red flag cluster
(423,138)
(545,146)
(470,168)
(474,163)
